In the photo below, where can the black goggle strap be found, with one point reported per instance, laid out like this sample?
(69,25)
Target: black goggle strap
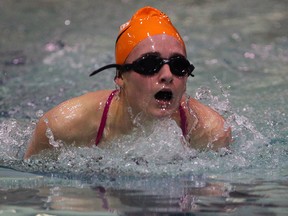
(117,66)
(191,69)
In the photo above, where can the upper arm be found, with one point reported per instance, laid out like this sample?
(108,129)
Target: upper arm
(39,140)
(210,131)
(53,127)
(72,122)
(57,125)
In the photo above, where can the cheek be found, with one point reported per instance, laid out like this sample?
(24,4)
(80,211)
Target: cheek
(141,91)
(136,89)
(181,83)
(138,84)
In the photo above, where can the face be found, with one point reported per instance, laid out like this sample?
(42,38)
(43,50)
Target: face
(158,95)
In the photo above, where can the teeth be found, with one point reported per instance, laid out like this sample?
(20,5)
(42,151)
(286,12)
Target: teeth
(164,95)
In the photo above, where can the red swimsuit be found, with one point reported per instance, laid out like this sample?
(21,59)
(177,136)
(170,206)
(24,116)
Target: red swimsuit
(105,114)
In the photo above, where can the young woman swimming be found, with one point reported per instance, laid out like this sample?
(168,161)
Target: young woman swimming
(151,73)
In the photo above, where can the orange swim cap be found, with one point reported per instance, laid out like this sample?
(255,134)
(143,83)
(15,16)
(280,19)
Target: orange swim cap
(146,22)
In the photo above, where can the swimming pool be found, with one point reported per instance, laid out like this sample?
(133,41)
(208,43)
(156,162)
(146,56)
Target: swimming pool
(240,51)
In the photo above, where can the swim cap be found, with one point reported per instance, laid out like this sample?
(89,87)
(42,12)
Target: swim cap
(146,22)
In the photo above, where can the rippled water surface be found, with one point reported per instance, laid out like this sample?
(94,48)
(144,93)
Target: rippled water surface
(240,51)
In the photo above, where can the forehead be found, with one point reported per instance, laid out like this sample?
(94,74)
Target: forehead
(164,44)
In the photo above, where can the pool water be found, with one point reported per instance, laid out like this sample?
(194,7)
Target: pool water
(240,51)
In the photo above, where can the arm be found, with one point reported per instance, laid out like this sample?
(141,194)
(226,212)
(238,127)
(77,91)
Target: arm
(75,121)
(54,127)
(209,130)
(39,140)
(72,122)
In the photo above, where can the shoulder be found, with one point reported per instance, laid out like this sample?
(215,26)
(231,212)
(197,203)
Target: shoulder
(208,127)
(73,121)
(76,118)
(204,113)
(79,107)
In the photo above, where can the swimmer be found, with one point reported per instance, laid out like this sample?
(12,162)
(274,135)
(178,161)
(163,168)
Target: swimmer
(151,75)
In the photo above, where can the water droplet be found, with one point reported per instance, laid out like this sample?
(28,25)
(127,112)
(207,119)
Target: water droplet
(39,113)
(67,22)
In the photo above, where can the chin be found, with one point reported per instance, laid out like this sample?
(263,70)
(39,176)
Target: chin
(161,113)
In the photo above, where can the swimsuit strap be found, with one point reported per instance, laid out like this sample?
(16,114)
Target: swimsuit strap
(183,121)
(104,117)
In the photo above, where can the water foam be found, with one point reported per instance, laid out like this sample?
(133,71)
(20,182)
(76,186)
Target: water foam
(160,151)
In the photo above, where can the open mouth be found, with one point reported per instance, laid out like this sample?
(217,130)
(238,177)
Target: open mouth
(164,95)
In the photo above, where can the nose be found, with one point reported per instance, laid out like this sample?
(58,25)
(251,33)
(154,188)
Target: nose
(165,74)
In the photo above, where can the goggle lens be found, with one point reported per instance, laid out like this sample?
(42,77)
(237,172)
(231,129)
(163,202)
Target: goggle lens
(151,64)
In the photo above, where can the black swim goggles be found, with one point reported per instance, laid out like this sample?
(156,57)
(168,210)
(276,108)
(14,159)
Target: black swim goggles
(150,64)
